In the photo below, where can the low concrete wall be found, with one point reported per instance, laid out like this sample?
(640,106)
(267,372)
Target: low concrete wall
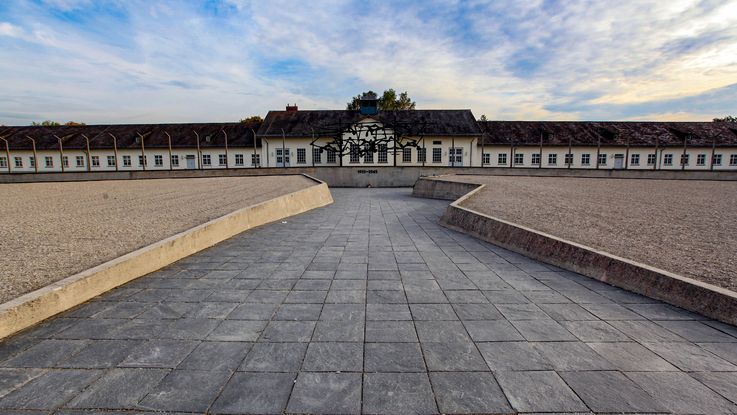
(696,296)
(441,189)
(387,176)
(41,304)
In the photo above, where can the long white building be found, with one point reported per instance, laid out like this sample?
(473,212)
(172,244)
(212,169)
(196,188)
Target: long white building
(366,137)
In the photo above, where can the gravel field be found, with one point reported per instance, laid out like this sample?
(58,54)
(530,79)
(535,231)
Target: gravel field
(683,226)
(49,231)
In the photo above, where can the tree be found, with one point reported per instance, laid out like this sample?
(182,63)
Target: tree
(252,119)
(46,123)
(483,118)
(728,118)
(388,101)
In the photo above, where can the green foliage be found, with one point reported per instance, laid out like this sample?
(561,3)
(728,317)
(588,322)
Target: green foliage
(388,101)
(252,119)
(728,118)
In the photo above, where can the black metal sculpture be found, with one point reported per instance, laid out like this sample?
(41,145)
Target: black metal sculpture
(393,132)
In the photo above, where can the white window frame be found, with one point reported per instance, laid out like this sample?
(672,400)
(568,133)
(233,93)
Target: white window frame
(602,159)
(568,159)
(332,157)
(158,160)
(519,159)
(174,160)
(652,159)
(383,156)
(368,156)
(685,158)
(486,158)
(634,160)
(733,159)
(142,161)
(206,160)
(3,162)
(49,162)
(667,159)
(18,161)
(501,159)
(301,156)
(127,161)
(552,159)
(32,161)
(255,159)
(79,161)
(222,159)
(407,155)
(65,161)
(317,155)
(239,160)
(586,159)
(701,159)
(716,160)
(111,161)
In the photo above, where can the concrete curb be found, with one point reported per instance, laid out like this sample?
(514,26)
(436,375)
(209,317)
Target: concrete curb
(706,299)
(43,303)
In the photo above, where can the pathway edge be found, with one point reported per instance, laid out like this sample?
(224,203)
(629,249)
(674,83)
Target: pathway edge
(703,298)
(36,306)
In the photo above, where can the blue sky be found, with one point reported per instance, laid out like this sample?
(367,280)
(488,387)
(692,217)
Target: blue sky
(129,61)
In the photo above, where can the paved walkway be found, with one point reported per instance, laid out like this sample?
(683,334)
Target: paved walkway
(369,306)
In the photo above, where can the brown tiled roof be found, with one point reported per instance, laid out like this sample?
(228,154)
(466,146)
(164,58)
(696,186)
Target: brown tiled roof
(154,136)
(433,122)
(616,133)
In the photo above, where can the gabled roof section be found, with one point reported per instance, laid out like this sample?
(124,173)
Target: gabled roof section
(608,133)
(304,123)
(128,136)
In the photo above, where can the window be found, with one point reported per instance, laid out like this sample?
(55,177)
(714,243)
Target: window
(502,159)
(95,161)
(331,156)
(32,161)
(486,158)
(602,159)
(301,156)
(552,159)
(65,161)
(368,155)
(355,156)
(142,160)
(701,159)
(126,161)
(383,153)
(49,161)
(18,162)
(239,159)
(437,155)
(316,155)
(535,159)
(437,143)
(569,159)
(158,160)
(651,159)
(222,159)
(3,162)
(684,159)
(668,159)
(206,160)
(733,159)
(421,154)
(519,159)
(407,155)
(110,161)
(635,160)
(255,160)
(585,159)
(716,160)
(175,160)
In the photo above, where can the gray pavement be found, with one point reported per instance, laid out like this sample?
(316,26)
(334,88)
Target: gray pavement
(369,306)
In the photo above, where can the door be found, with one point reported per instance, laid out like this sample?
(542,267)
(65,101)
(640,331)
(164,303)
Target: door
(282,157)
(190,162)
(455,156)
(618,161)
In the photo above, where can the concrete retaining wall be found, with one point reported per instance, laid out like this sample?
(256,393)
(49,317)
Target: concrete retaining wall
(371,176)
(41,304)
(696,296)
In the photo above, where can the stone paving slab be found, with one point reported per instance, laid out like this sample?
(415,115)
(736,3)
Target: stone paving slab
(369,306)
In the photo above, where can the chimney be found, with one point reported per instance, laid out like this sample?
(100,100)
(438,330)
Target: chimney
(292,108)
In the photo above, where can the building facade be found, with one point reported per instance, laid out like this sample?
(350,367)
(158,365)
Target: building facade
(371,138)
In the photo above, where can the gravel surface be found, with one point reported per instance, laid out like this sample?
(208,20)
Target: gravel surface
(49,231)
(684,226)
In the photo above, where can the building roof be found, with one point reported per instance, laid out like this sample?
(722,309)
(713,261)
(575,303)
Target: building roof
(128,136)
(608,133)
(328,122)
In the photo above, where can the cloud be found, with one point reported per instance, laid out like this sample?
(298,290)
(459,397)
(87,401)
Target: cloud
(215,60)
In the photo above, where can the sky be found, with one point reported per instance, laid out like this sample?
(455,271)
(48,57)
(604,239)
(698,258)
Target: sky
(149,61)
